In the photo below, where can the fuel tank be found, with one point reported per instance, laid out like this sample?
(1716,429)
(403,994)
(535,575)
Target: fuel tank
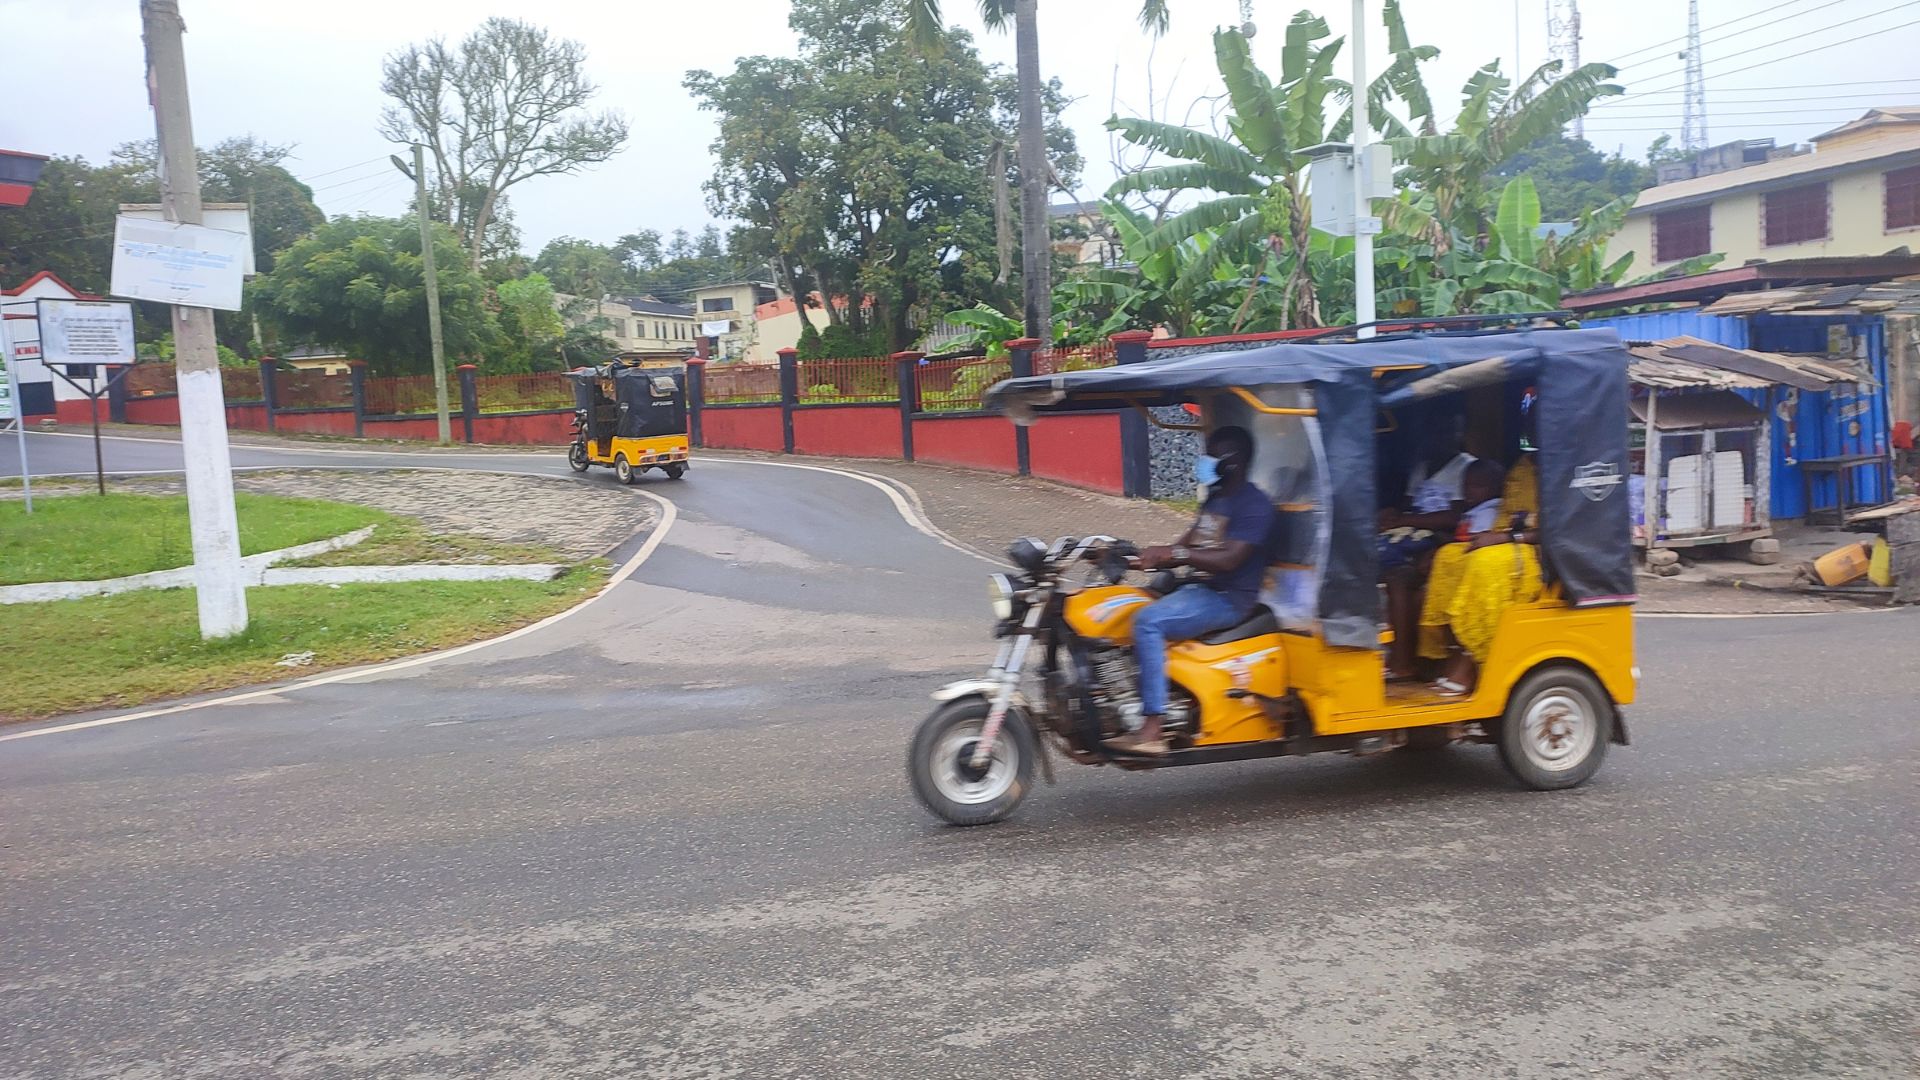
(1105,613)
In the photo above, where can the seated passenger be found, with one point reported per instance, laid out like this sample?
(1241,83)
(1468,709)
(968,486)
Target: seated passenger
(1410,532)
(1226,541)
(1485,494)
(1500,568)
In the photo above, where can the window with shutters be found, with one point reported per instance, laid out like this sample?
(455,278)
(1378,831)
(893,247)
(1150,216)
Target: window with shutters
(1903,198)
(1682,233)
(1794,215)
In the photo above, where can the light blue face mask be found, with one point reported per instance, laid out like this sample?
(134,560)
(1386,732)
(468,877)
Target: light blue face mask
(1206,469)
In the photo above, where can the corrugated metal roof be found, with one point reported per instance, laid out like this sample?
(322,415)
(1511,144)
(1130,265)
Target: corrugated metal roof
(1901,296)
(1690,363)
(1776,171)
(1704,409)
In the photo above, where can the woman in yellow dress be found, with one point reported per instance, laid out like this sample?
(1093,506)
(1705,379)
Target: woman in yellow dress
(1492,572)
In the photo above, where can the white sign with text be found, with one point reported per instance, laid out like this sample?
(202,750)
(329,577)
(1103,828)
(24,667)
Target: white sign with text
(86,332)
(188,265)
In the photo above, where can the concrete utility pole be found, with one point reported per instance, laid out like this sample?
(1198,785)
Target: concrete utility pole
(433,296)
(1364,223)
(218,586)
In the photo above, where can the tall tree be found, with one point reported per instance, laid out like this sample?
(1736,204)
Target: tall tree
(358,283)
(1036,176)
(1573,177)
(582,268)
(864,164)
(507,104)
(531,331)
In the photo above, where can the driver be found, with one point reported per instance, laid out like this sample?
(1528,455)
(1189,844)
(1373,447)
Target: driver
(1225,541)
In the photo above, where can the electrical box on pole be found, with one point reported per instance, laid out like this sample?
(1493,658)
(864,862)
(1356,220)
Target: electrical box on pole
(1330,182)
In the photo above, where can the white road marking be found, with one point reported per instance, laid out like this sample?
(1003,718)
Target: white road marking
(911,512)
(668,514)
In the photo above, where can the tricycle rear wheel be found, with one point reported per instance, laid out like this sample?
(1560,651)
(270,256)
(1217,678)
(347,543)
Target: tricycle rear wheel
(1558,723)
(944,780)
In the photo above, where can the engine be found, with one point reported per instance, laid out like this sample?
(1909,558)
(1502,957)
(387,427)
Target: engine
(1117,690)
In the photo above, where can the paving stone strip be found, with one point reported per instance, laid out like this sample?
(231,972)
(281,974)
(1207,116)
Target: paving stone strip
(583,521)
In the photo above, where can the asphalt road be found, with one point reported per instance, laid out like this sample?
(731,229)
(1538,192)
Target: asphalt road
(670,836)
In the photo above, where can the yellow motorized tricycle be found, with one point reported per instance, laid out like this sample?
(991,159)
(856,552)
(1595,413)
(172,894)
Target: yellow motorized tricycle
(1307,671)
(631,419)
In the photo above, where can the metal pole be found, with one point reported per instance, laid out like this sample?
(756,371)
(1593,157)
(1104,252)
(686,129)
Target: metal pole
(1364,224)
(93,409)
(19,410)
(219,590)
(433,297)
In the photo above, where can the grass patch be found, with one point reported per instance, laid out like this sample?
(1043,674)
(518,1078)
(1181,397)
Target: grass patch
(123,650)
(90,537)
(400,540)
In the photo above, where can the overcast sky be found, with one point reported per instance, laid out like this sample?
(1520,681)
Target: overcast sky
(308,74)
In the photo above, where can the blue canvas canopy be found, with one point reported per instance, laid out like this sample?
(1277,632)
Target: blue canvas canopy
(1579,375)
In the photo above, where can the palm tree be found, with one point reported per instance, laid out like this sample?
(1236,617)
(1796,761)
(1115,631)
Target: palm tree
(1036,241)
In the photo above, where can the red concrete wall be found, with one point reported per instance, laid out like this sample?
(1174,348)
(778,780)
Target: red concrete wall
(872,432)
(1082,450)
(154,410)
(78,412)
(423,428)
(749,428)
(545,429)
(317,423)
(239,417)
(978,442)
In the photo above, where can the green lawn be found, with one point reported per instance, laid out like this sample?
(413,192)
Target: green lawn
(123,650)
(86,537)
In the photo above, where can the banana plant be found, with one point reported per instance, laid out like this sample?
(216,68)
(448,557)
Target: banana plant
(1496,121)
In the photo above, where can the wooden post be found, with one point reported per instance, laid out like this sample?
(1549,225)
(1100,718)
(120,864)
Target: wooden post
(1652,506)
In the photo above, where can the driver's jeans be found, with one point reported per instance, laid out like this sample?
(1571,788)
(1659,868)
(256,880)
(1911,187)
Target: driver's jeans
(1187,612)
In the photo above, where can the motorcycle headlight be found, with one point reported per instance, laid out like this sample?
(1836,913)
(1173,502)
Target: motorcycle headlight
(1000,595)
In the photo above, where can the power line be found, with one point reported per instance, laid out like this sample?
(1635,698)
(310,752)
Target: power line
(1717,26)
(341,169)
(354,179)
(1787,41)
(1651,111)
(1871,96)
(373,182)
(1751,29)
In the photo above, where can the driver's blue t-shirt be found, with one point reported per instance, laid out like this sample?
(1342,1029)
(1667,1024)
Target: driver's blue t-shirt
(1244,513)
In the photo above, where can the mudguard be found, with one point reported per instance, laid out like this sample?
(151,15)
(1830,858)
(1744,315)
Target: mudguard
(985,688)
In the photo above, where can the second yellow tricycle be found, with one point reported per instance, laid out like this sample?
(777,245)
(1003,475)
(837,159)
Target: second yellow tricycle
(631,419)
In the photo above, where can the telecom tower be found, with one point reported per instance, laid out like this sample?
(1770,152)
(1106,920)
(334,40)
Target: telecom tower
(1563,44)
(1693,117)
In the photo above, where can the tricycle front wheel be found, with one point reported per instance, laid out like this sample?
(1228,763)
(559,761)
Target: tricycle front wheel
(577,457)
(939,762)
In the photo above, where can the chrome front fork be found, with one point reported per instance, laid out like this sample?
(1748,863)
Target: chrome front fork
(1007,667)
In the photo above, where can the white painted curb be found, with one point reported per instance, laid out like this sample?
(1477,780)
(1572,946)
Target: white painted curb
(360,575)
